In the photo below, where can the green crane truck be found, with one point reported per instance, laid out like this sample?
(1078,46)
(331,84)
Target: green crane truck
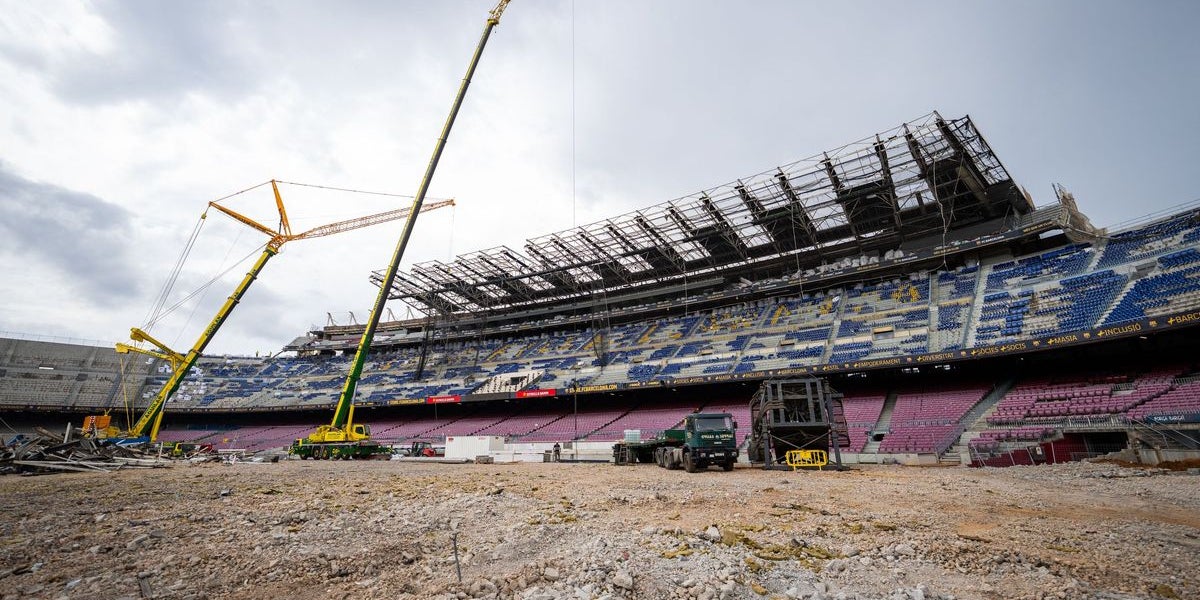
(705,439)
(342,437)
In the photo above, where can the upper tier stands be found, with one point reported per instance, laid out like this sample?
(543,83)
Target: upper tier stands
(41,373)
(1170,284)
(951,301)
(1150,271)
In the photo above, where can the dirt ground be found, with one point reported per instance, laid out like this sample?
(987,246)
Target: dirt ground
(304,530)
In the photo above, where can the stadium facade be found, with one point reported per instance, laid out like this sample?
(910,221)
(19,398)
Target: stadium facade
(908,267)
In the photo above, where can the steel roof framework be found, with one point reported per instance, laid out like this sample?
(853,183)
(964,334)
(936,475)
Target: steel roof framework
(919,177)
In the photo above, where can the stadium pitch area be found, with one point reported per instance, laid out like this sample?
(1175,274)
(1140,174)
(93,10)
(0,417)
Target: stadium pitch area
(262,530)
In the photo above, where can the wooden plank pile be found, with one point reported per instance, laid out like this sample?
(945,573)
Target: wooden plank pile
(46,452)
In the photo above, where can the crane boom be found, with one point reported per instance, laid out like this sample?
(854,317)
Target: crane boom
(342,438)
(343,412)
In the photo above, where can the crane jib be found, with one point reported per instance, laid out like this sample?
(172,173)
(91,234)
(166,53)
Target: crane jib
(147,424)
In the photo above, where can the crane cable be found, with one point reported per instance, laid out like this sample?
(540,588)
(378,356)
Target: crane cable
(215,278)
(338,189)
(159,310)
(155,313)
(206,285)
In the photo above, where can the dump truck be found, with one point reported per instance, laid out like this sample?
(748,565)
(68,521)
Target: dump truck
(706,439)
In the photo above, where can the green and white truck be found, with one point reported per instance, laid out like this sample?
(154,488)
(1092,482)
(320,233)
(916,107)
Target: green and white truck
(706,439)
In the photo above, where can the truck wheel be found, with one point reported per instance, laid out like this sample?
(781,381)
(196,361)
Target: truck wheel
(689,464)
(728,466)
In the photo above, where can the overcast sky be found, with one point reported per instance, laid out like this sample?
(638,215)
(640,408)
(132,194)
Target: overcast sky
(119,121)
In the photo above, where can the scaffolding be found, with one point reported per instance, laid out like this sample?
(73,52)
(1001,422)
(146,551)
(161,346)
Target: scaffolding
(924,177)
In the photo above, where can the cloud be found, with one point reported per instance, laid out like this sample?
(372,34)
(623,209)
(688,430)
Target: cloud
(74,234)
(135,51)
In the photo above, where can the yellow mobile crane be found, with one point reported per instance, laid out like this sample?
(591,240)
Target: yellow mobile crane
(146,427)
(342,438)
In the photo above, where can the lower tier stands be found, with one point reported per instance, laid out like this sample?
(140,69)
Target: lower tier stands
(861,413)
(1182,399)
(990,440)
(929,422)
(1107,395)
(1042,408)
(921,421)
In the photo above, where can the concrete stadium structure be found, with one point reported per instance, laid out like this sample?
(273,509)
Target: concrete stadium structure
(908,268)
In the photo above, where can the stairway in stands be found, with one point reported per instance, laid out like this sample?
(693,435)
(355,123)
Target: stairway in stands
(882,425)
(976,307)
(975,421)
(834,327)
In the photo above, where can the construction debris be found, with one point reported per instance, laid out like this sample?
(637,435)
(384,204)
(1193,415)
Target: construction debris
(46,452)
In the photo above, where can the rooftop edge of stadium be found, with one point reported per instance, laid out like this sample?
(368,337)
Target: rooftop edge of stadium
(652,301)
(925,177)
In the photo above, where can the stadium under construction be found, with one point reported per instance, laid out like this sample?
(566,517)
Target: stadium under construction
(958,322)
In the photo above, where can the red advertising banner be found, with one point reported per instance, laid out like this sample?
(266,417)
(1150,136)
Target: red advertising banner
(535,393)
(443,399)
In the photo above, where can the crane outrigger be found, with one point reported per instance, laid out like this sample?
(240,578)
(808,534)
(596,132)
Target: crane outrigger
(342,437)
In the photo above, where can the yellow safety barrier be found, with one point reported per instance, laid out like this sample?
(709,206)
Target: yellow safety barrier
(807,458)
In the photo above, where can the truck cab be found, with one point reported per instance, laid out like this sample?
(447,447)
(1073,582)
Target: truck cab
(709,439)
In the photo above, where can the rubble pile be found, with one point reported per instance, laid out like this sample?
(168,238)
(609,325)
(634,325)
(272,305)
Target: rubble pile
(45,452)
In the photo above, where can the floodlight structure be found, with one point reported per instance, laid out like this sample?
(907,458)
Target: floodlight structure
(925,177)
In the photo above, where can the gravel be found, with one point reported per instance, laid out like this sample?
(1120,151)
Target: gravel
(575,531)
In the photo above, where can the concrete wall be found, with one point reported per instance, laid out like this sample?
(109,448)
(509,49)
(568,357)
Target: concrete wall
(1151,456)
